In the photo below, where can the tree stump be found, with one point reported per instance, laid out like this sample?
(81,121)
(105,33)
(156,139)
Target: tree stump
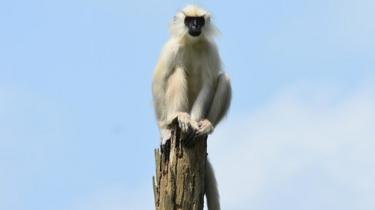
(180,174)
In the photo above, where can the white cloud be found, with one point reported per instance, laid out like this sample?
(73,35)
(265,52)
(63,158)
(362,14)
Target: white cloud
(306,149)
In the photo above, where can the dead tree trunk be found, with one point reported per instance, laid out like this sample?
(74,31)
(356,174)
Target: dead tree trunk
(180,174)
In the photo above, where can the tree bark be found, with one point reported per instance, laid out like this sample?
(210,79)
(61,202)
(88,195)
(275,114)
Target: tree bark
(180,174)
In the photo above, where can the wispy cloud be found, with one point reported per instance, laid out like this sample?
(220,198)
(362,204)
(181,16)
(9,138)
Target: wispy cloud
(301,151)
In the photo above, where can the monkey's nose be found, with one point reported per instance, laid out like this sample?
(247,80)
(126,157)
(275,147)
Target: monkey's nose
(195,27)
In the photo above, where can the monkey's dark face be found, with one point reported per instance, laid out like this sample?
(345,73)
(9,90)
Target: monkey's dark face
(194,24)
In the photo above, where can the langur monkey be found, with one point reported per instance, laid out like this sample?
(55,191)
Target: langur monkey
(189,84)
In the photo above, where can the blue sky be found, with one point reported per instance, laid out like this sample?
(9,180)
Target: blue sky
(77,128)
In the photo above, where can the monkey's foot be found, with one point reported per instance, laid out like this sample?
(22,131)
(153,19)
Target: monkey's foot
(205,127)
(183,120)
(194,125)
(197,130)
(165,135)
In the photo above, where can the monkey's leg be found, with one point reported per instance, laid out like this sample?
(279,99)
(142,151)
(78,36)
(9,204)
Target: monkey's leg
(219,105)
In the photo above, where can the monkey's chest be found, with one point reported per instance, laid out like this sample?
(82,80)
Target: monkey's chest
(194,63)
(194,85)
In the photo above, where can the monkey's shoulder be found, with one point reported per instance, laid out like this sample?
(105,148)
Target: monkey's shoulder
(172,46)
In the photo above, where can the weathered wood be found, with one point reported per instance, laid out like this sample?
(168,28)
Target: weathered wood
(180,174)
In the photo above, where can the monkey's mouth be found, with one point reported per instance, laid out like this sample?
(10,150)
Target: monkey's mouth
(195,33)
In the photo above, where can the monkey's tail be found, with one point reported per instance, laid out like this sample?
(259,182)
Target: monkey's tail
(212,193)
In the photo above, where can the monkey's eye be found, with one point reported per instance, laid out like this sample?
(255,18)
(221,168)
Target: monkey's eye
(200,21)
(188,20)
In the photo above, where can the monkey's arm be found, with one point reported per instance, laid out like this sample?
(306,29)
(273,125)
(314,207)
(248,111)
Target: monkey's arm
(163,75)
(200,110)
(176,99)
(211,105)
(158,89)
(170,99)
(202,103)
(170,94)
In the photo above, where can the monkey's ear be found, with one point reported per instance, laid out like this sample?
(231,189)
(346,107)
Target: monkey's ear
(208,18)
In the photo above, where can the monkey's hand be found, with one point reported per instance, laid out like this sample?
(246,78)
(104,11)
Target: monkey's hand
(183,120)
(205,127)
(200,128)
